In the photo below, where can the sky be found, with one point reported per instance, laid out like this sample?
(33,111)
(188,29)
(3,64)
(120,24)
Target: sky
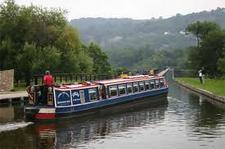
(136,9)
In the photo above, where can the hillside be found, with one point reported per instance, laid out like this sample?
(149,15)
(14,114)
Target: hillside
(156,34)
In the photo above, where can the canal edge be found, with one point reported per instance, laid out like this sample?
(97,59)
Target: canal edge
(11,96)
(202,92)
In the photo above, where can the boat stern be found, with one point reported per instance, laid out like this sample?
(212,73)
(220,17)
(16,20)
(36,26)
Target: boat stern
(39,113)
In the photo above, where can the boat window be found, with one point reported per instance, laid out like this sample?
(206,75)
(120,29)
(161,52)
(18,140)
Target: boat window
(152,84)
(161,82)
(122,89)
(135,87)
(92,94)
(147,85)
(129,88)
(157,83)
(113,90)
(141,85)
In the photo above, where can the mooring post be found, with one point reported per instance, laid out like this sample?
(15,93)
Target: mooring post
(22,101)
(10,102)
(172,71)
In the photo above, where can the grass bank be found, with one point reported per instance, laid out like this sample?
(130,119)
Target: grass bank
(216,86)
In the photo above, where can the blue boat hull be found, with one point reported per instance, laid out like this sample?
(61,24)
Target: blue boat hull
(116,104)
(123,102)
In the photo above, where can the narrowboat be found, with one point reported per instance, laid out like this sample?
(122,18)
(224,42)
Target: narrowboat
(74,100)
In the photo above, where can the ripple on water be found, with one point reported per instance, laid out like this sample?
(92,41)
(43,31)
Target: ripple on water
(13,126)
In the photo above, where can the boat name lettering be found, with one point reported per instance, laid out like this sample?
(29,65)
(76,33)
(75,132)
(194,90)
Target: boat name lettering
(60,102)
(76,99)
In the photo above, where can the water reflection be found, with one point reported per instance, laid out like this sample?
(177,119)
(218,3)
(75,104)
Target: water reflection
(46,136)
(6,114)
(207,121)
(11,113)
(75,133)
(204,121)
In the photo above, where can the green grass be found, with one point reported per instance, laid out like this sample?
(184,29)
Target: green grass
(216,86)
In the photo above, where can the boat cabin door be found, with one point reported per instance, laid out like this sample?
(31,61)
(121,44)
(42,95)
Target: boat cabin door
(82,96)
(102,92)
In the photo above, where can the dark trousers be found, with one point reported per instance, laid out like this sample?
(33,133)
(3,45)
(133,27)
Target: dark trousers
(44,94)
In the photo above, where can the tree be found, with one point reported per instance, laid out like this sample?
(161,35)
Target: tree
(23,26)
(47,58)
(27,61)
(194,58)
(221,64)
(210,49)
(100,59)
(201,29)
(86,63)
(69,45)
(33,39)
(69,39)
(33,60)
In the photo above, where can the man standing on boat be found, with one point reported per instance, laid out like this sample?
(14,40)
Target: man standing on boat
(48,82)
(48,79)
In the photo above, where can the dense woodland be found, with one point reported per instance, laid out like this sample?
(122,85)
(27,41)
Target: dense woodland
(144,44)
(35,39)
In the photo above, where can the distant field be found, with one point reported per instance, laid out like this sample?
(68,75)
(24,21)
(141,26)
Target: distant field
(216,86)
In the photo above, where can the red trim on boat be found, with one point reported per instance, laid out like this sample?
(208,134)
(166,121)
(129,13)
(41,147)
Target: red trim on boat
(42,128)
(45,116)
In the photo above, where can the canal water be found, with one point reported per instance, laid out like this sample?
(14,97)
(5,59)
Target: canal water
(184,121)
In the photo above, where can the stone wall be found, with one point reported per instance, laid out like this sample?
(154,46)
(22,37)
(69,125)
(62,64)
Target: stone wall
(6,80)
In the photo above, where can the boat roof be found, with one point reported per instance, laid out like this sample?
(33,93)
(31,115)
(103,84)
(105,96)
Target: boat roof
(84,85)
(127,79)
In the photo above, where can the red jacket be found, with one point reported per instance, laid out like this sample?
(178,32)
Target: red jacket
(48,80)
